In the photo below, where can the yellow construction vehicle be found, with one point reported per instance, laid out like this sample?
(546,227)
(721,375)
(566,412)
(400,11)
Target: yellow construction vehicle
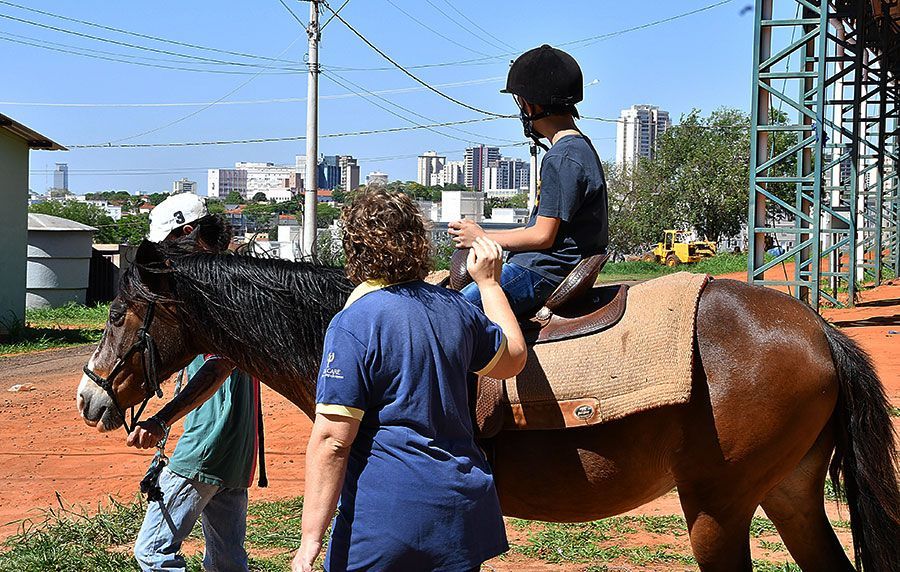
(677,248)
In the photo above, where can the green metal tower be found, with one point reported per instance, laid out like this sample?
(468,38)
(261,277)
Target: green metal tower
(824,146)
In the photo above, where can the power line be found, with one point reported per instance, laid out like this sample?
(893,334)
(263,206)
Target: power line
(474,23)
(407,72)
(328,21)
(278,139)
(586,41)
(330,75)
(125,44)
(139,35)
(466,29)
(143,64)
(207,106)
(433,31)
(288,8)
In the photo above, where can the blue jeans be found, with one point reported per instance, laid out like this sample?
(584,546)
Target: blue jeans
(526,290)
(169,521)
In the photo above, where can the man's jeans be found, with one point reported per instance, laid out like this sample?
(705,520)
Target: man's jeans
(169,521)
(526,290)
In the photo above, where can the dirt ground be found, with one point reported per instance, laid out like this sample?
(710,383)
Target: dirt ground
(46,449)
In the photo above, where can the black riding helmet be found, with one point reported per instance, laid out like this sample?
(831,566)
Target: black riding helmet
(547,77)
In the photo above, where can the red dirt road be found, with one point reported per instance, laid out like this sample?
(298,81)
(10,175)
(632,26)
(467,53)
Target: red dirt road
(45,447)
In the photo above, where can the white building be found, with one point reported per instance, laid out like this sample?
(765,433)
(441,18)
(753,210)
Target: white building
(266,177)
(507,173)
(278,195)
(505,193)
(509,216)
(477,159)
(114,212)
(184,186)
(430,210)
(349,172)
(456,205)
(453,173)
(377,177)
(638,131)
(221,182)
(430,164)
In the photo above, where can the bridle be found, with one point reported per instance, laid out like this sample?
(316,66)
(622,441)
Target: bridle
(149,361)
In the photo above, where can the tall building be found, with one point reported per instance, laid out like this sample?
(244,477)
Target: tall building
(456,205)
(184,186)
(453,173)
(329,170)
(269,177)
(349,173)
(477,159)
(507,173)
(638,131)
(430,164)
(61,176)
(221,182)
(376,178)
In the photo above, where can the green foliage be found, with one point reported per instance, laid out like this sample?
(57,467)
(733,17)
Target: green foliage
(215,206)
(234,198)
(895,411)
(259,197)
(131,229)
(85,213)
(718,265)
(766,566)
(71,314)
(156,198)
(326,214)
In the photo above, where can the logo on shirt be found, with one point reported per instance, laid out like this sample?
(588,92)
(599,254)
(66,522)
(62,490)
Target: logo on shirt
(332,372)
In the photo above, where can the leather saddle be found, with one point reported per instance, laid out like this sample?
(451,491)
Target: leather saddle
(576,308)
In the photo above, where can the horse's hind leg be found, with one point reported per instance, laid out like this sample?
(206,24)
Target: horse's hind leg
(797,508)
(719,530)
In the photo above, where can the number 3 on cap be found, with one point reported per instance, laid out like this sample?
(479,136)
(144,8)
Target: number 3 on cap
(179,217)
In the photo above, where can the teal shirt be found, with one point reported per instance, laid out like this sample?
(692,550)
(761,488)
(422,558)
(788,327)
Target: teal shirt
(220,438)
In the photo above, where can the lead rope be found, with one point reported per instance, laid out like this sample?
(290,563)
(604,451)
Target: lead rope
(150,482)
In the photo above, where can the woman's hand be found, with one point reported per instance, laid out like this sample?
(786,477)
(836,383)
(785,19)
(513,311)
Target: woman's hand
(485,261)
(146,435)
(464,233)
(306,555)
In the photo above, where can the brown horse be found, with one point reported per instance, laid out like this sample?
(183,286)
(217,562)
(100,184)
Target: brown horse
(778,395)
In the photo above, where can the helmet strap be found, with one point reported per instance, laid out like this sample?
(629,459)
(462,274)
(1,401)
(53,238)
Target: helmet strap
(528,126)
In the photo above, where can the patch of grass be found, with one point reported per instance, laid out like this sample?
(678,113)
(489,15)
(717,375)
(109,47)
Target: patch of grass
(640,270)
(766,566)
(75,540)
(595,541)
(30,339)
(761,527)
(69,315)
(772,546)
(830,493)
(894,411)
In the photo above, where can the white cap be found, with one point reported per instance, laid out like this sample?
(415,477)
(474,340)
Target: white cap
(176,211)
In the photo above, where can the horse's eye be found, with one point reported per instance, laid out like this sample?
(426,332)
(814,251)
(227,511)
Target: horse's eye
(116,315)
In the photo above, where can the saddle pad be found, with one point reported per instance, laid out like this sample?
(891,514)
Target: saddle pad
(643,362)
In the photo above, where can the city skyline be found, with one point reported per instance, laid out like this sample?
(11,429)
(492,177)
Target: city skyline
(108,102)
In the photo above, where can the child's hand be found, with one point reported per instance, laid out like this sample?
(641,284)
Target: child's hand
(464,233)
(485,261)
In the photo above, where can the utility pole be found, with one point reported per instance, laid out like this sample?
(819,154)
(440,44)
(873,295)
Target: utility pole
(312,134)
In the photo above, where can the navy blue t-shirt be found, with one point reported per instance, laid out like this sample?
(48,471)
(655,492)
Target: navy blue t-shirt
(572,189)
(419,493)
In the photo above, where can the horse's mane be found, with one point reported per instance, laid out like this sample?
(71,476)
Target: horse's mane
(271,313)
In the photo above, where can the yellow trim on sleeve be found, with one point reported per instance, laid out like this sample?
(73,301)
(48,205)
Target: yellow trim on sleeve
(500,351)
(340,410)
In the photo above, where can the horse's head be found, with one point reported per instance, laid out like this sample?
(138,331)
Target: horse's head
(142,345)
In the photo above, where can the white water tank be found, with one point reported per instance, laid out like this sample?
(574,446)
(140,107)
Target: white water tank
(59,261)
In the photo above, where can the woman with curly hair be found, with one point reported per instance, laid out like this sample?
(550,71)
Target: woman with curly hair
(393,438)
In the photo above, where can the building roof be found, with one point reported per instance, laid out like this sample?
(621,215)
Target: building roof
(49,222)
(34,139)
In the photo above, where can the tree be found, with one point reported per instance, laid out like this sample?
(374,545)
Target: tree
(156,198)
(259,197)
(215,206)
(326,214)
(85,213)
(234,198)
(131,229)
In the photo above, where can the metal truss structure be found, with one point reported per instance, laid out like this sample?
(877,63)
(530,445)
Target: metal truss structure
(825,142)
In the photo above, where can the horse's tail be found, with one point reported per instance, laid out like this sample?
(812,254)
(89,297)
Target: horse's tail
(864,467)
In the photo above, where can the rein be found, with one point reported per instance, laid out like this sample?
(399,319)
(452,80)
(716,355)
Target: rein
(149,361)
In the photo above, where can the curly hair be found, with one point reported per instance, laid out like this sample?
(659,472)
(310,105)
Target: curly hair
(385,238)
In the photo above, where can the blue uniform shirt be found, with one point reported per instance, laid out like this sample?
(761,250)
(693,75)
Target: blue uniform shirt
(573,189)
(419,493)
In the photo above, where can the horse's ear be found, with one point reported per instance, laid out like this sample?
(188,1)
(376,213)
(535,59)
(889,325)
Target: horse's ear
(148,253)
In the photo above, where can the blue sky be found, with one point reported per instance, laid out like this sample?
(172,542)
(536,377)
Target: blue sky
(701,61)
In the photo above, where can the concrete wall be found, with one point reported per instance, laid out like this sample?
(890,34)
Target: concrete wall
(13,228)
(59,264)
